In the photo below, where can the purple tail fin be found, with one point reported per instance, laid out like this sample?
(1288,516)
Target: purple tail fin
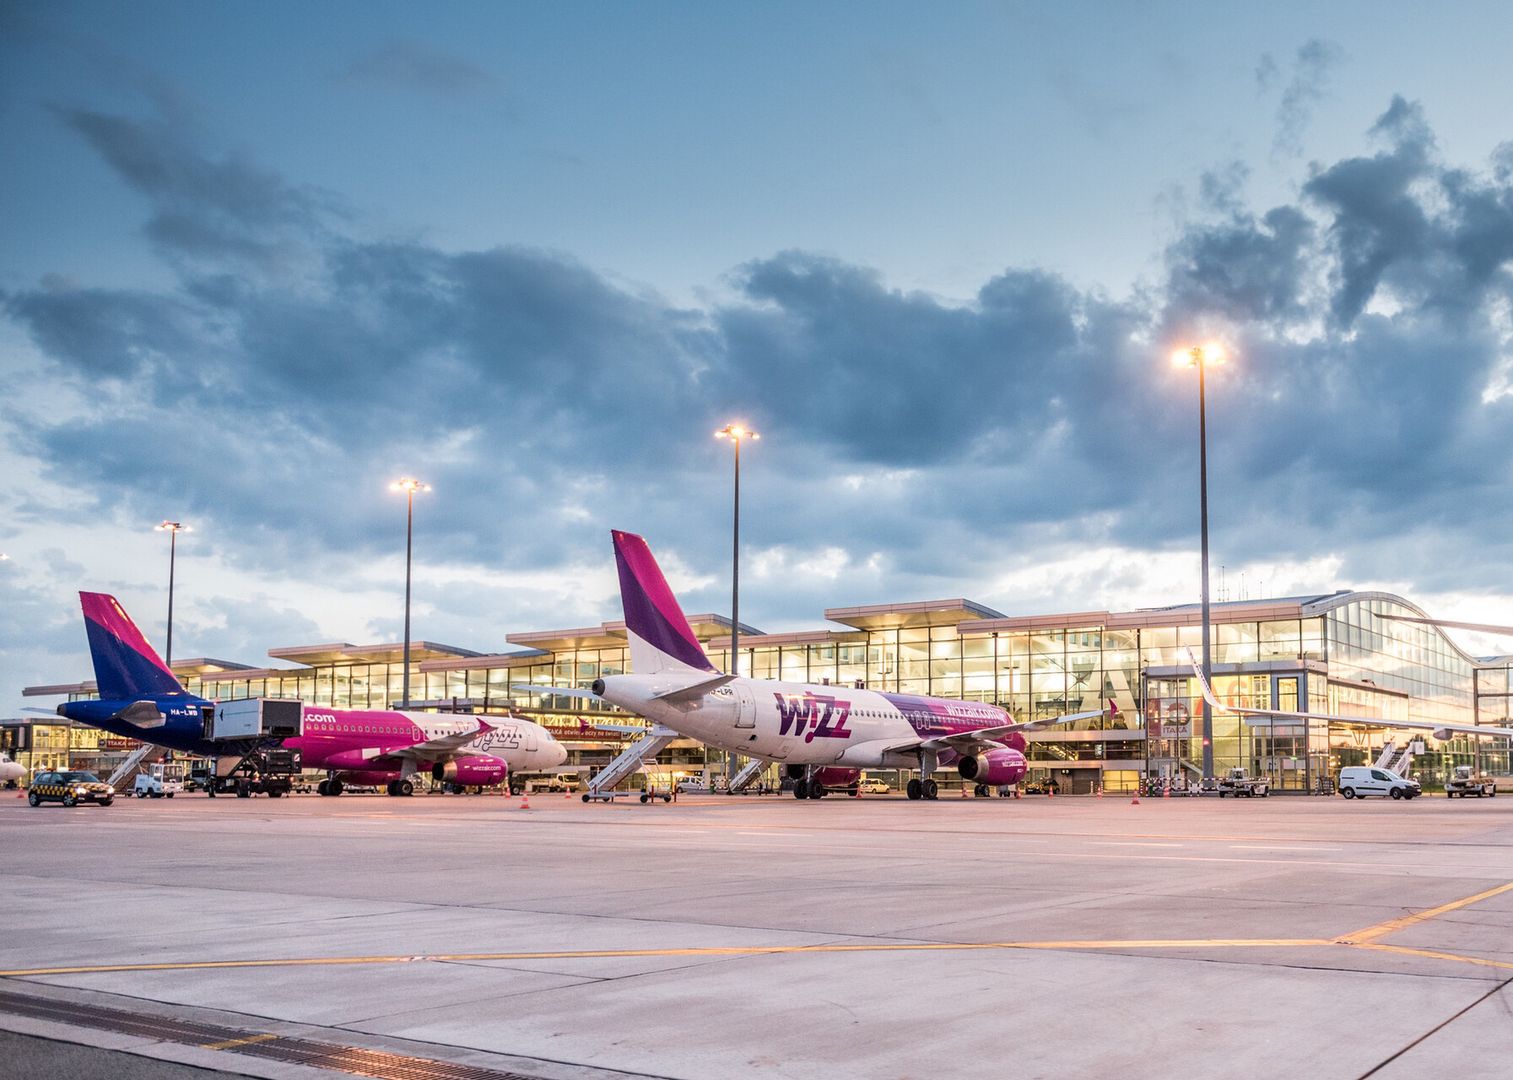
(660,637)
(125,665)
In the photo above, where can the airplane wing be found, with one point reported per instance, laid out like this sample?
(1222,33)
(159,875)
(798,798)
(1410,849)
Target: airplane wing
(675,696)
(1368,721)
(442,746)
(988,738)
(695,691)
(142,714)
(559,691)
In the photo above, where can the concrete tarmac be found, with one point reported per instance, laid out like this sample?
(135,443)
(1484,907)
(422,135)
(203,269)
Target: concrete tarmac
(767,936)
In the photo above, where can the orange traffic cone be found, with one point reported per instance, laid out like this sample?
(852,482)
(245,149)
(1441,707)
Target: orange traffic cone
(1136,800)
(525,800)
(1167,794)
(964,791)
(1100,791)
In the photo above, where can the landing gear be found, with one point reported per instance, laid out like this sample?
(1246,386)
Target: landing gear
(982,791)
(931,791)
(400,787)
(915,789)
(330,786)
(817,790)
(801,788)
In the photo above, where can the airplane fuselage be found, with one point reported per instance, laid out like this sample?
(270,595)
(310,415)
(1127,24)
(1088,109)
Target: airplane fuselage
(810,723)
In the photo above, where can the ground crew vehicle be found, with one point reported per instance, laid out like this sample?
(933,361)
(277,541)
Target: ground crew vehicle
(156,783)
(1238,782)
(1359,781)
(70,789)
(1466,781)
(872,786)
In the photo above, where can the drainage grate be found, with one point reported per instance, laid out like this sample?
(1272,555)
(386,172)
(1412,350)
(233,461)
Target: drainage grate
(348,1059)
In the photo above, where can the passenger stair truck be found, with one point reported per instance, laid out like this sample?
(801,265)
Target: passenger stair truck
(251,731)
(635,757)
(1465,781)
(1238,782)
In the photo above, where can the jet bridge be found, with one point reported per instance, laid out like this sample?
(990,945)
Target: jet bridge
(634,758)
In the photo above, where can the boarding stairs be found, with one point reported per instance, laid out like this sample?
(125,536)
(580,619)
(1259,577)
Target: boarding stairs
(143,755)
(1384,759)
(631,760)
(749,772)
(1404,761)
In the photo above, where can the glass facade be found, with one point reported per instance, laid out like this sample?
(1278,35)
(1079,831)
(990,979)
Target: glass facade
(1341,654)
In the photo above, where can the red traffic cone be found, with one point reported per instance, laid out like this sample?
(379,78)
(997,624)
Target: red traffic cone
(525,800)
(964,791)
(1167,794)
(1100,791)
(1136,800)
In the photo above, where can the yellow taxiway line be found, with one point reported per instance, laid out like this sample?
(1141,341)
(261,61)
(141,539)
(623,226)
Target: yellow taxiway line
(1363,939)
(1392,926)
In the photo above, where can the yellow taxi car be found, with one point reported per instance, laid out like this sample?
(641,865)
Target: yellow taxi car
(70,789)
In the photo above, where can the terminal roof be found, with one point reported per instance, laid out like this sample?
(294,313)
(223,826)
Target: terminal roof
(920,613)
(388,652)
(611,635)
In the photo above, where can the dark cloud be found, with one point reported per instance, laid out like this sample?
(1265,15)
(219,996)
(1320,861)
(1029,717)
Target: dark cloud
(1311,67)
(412,65)
(546,402)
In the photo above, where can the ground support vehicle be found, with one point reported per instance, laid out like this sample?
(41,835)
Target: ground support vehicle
(1361,781)
(70,789)
(153,787)
(1238,782)
(1466,781)
(268,772)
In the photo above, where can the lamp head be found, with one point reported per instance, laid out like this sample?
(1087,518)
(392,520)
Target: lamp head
(409,484)
(172,527)
(736,432)
(1193,355)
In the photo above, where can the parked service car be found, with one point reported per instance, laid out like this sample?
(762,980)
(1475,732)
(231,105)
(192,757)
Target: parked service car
(870,785)
(1359,781)
(70,789)
(156,784)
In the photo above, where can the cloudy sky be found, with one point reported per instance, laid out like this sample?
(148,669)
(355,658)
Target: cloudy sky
(260,259)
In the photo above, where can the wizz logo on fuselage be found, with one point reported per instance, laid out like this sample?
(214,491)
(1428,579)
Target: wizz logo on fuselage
(814,716)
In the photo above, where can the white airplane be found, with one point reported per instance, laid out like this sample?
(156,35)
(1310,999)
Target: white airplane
(526,746)
(822,734)
(9,770)
(1438,729)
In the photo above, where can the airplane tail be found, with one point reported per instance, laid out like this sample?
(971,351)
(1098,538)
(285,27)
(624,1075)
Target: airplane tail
(125,665)
(660,638)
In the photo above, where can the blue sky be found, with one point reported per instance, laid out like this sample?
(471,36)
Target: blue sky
(259,258)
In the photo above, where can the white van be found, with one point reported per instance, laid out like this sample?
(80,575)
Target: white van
(1358,781)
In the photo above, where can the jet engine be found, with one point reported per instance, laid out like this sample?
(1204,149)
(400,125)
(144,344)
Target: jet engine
(995,768)
(478,770)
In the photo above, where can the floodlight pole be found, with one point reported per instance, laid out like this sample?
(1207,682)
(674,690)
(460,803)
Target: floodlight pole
(1208,672)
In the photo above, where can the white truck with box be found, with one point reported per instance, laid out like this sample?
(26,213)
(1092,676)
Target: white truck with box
(251,730)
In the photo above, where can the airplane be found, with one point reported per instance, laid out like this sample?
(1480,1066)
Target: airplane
(141,699)
(822,734)
(1439,729)
(10,771)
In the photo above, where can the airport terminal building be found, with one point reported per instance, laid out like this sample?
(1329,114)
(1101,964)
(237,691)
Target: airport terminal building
(1345,653)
